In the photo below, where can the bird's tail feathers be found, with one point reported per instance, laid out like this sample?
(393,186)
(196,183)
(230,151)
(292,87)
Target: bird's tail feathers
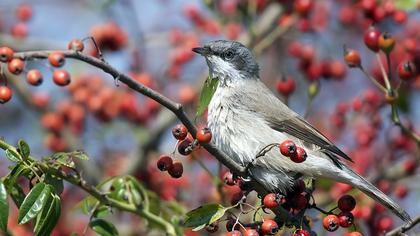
(369,189)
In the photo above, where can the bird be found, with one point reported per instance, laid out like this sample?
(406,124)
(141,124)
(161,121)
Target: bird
(244,117)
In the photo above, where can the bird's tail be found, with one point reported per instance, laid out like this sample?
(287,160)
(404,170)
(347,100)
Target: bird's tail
(369,189)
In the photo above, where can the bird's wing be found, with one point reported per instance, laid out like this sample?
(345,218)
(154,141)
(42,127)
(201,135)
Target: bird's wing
(301,129)
(280,118)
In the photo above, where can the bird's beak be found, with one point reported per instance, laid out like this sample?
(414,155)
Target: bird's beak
(201,51)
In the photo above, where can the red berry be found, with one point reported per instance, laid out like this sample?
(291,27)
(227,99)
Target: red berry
(346,203)
(251,232)
(271,200)
(352,58)
(6,54)
(19,30)
(303,6)
(5,94)
(385,223)
(269,227)
(184,148)
(300,155)
(401,191)
(228,178)
(204,135)
(287,148)
(76,45)
(285,86)
(406,70)
(176,170)
(16,66)
(330,223)
(345,219)
(180,132)
(386,42)
(61,77)
(56,59)
(371,38)
(234,233)
(34,77)
(24,12)
(164,163)
(301,232)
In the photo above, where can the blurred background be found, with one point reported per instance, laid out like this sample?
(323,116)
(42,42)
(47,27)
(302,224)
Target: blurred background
(300,53)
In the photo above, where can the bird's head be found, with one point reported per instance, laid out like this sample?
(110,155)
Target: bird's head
(229,60)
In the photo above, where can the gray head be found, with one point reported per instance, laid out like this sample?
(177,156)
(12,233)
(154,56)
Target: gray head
(228,60)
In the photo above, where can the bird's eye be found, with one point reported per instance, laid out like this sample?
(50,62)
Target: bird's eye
(228,55)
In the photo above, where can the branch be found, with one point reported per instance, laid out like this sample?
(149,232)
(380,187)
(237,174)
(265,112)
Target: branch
(176,108)
(403,228)
(94,192)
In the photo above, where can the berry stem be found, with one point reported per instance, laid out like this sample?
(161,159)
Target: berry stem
(377,84)
(384,74)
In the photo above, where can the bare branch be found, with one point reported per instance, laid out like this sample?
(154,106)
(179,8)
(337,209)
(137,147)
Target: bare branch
(403,228)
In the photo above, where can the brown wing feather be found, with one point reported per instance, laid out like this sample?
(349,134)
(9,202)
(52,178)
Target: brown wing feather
(301,129)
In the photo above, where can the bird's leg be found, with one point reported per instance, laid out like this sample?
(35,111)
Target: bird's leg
(261,153)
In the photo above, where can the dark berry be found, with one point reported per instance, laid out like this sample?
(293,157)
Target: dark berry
(164,163)
(180,132)
(300,155)
(184,147)
(346,203)
(406,70)
(176,170)
(301,232)
(345,219)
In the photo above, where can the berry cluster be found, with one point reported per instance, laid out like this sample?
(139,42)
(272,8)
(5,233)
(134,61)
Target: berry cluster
(345,218)
(185,147)
(289,149)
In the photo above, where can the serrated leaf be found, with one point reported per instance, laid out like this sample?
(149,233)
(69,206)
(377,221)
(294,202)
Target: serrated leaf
(24,149)
(48,218)
(4,207)
(103,227)
(406,4)
(12,156)
(207,92)
(204,215)
(34,202)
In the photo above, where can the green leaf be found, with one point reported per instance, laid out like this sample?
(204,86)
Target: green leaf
(34,202)
(406,4)
(12,156)
(15,191)
(103,227)
(24,149)
(64,159)
(48,218)
(102,211)
(88,204)
(55,182)
(17,171)
(80,155)
(4,207)
(204,215)
(210,86)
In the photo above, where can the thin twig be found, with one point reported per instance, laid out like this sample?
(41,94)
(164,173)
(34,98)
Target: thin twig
(403,228)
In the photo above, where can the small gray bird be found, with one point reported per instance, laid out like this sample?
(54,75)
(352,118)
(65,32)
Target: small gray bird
(245,116)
